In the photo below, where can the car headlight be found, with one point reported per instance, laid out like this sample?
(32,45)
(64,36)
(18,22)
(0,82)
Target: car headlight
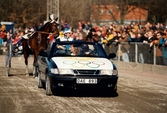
(115,72)
(61,71)
(109,72)
(54,70)
(106,72)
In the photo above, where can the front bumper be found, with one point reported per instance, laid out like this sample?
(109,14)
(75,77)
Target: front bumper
(65,81)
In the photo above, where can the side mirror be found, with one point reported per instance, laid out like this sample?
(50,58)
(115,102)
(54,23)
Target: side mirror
(112,55)
(43,53)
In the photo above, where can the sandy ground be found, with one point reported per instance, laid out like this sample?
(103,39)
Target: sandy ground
(137,93)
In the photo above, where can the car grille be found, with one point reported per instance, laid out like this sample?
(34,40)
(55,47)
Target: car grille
(85,72)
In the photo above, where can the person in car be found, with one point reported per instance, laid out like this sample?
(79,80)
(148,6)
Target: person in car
(67,35)
(74,50)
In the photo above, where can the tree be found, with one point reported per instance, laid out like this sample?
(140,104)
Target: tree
(23,12)
(124,7)
(156,10)
(75,10)
(27,12)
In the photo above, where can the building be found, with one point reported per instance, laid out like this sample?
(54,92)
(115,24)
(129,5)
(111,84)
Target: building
(111,13)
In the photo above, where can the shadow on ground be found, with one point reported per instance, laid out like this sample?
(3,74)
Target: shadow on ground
(84,93)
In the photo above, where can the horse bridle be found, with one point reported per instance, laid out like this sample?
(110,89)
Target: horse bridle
(52,31)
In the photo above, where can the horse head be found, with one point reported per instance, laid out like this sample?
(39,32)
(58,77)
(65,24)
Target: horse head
(54,29)
(54,26)
(50,27)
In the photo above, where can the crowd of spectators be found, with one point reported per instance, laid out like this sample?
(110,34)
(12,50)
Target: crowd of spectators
(146,34)
(150,34)
(11,36)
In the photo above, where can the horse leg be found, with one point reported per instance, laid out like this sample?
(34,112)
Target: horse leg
(33,73)
(26,63)
(26,55)
(35,64)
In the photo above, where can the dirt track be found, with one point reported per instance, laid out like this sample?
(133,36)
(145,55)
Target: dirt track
(137,93)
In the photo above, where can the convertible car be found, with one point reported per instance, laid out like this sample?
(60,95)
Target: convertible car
(77,65)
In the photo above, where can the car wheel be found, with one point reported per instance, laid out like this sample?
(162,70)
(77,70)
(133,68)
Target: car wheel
(40,85)
(114,91)
(48,86)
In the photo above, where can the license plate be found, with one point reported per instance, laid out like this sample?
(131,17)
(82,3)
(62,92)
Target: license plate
(86,81)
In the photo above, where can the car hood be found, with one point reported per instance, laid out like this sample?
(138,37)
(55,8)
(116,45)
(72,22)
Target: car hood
(82,63)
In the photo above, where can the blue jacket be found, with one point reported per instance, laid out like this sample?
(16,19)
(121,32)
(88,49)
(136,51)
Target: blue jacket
(164,47)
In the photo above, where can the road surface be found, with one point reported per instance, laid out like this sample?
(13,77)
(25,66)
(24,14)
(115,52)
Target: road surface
(137,93)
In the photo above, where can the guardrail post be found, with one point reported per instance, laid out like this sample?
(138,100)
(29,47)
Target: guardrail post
(136,52)
(119,49)
(154,57)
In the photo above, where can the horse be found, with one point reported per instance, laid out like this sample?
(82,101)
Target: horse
(37,42)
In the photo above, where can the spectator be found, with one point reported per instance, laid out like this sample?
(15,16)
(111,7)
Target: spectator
(153,27)
(124,47)
(140,38)
(79,37)
(136,26)
(8,40)
(100,35)
(147,26)
(86,27)
(74,34)
(159,59)
(51,39)
(66,25)
(133,37)
(62,25)
(109,35)
(10,32)
(89,25)
(2,36)
(163,43)
(91,34)
(16,39)
(115,37)
(40,25)
(149,38)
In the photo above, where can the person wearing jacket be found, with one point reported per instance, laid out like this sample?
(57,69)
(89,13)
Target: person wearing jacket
(163,44)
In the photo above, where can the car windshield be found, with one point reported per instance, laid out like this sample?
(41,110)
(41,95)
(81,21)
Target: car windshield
(82,49)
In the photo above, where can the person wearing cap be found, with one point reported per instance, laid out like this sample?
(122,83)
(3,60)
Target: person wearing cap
(67,35)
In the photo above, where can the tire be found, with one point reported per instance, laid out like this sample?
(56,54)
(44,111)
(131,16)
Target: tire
(113,92)
(48,85)
(40,84)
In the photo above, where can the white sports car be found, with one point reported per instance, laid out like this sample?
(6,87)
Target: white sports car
(77,65)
